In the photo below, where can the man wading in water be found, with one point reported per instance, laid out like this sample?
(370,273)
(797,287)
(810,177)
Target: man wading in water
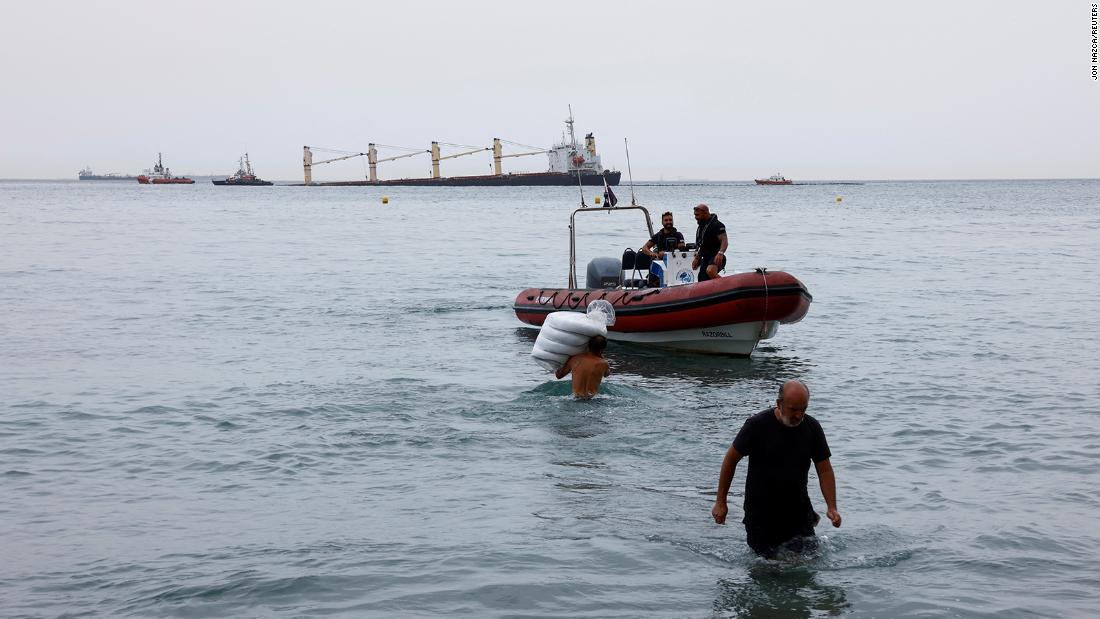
(780,443)
(588,369)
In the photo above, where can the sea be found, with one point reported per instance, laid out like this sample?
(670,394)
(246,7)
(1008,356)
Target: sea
(317,401)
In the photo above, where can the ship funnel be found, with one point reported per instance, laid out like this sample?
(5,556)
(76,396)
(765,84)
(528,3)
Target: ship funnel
(590,143)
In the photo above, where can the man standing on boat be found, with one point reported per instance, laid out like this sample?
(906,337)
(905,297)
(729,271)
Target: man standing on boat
(711,243)
(668,237)
(780,443)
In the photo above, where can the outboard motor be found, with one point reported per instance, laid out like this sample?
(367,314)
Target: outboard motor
(603,273)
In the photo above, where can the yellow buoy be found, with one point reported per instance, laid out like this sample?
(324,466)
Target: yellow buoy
(385,199)
(839,199)
(597,199)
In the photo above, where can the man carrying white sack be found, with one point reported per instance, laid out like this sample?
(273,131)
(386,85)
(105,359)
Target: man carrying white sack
(588,369)
(573,343)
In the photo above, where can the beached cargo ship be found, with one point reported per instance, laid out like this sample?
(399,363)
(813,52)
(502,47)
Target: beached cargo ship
(570,163)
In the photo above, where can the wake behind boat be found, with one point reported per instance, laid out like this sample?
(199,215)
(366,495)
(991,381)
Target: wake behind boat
(666,307)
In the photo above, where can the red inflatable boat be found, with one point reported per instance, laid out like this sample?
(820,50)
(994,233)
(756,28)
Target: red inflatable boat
(729,315)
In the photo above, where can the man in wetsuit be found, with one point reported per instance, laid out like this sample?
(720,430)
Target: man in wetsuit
(668,237)
(588,368)
(780,443)
(711,243)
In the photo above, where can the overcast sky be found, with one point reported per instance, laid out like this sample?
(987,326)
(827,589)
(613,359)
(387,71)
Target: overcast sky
(721,90)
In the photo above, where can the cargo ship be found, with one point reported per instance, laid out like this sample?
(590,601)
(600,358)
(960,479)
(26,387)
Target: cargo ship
(160,175)
(571,163)
(243,176)
(87,175)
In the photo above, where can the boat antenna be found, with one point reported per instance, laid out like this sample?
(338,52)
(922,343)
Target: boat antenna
(580,186)
(629,174)
(572,153)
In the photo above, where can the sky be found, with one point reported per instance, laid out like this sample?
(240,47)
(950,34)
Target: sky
(701,90)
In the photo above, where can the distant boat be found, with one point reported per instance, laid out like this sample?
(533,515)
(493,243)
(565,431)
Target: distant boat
(778,179)
(87,175)
(160,175)
(243,176)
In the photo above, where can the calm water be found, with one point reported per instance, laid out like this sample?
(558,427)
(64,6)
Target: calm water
(297,401)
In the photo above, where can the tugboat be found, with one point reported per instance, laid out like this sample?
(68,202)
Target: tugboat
(778,179)
(160,175)
(243,176)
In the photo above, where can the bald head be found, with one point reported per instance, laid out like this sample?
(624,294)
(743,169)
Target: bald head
(702,212)
(792,402)
(793,387)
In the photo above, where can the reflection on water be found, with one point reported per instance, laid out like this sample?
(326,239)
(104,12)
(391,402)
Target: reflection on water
(778,589)
(658,365)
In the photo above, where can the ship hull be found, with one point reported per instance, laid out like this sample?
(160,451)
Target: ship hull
(98,177)
(178,180)
(760,181)
(256,183)
(528,179)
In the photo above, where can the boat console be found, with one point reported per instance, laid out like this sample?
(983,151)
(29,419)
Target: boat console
(675,269)
(637,270)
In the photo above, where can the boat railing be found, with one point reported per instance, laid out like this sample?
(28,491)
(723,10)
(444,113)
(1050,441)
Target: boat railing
(597,209)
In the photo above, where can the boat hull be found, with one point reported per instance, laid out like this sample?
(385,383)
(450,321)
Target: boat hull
(504,180)
(98,177)
(762,181)
(737,339)
(729,315)
(179,180)
(255,183)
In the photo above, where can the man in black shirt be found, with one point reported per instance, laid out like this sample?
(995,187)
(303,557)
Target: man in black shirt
(668,237)
(710,238)
(780,443)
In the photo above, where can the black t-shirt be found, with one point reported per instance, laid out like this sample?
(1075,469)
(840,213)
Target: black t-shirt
(661,240)
(779,466)
(706,236)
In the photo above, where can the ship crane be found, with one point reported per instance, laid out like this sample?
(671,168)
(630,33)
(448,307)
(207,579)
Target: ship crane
(373,160)
(371,155)
(498,154)
(436,158)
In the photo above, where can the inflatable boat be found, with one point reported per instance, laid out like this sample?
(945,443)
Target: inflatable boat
(661,304)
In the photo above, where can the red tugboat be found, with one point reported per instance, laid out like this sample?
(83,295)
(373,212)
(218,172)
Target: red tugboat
(778,179)
(160,175)
(243,176)
(661,304)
